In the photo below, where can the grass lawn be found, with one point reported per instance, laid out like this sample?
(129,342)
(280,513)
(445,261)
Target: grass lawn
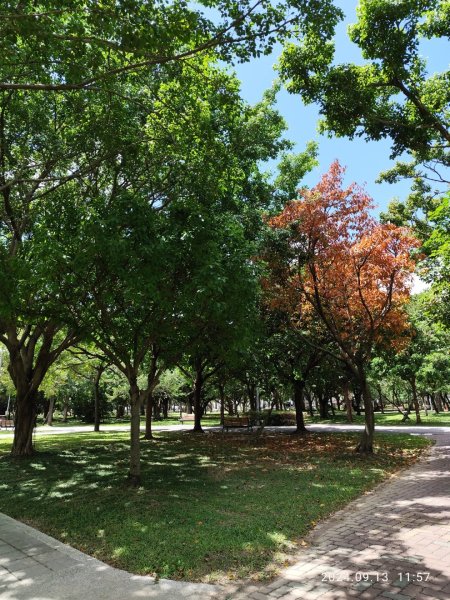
(212,506)
(109,422)
(388,418)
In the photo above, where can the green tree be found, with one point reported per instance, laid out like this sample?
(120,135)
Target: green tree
(437,265)
(98,52)
(152,242)
(391,94)
(66,45)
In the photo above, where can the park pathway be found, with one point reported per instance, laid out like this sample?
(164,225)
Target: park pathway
(393,543)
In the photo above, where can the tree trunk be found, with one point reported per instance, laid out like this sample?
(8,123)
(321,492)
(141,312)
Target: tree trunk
(323,406)
(165,408)
(415,400)
(156,410)
(65,411)
(148,416)
(299,386)
(197,396)
(357,400)
(365,445)
(310,405)
(406,412)
(221,389)
(24,423)
(251,394)
(437,403)
(98,375)
(31,354)
(134,476)
(51,410)
(348,402)
(445,401)
(332,406)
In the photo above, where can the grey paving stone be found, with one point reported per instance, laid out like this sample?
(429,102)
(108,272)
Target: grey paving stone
(20,564)
(394,596)
(11,556)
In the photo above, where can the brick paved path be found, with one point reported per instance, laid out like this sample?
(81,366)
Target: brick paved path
(400,532)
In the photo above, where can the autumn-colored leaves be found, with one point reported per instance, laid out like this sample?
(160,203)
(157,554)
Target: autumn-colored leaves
(341,278)
(353,272)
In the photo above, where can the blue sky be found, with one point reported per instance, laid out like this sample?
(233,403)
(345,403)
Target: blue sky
(363,160)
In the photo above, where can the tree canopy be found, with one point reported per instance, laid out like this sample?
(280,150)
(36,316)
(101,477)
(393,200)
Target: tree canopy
(391,94)
(63,45)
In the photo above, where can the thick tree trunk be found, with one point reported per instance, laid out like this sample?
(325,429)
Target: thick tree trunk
(65,411)
(365,445)
(197,396)
(299,386)
(30,356)
(436,402)
(148,416)
(24,423)
(348,402)
(51,410)
(323,406)
(251,394)
(156,410)
(134,476)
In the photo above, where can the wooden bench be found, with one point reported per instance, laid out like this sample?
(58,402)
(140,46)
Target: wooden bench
(6,423)
(187,418)
(237,422)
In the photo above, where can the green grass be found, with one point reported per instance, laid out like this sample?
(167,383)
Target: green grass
(212,506)
(388,418)
(111,422)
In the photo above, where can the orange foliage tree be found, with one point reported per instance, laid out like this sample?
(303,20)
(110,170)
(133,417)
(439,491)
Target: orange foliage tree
(349,271)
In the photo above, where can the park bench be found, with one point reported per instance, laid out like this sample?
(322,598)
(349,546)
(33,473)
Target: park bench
(187,418)
(6,423)
(233,422)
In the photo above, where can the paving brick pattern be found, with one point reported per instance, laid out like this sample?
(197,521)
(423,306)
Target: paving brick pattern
(393,543)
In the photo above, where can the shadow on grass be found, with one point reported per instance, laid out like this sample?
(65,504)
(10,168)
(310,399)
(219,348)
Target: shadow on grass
(210,506)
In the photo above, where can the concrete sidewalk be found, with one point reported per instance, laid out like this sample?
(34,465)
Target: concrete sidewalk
(392,543)
(34,566)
